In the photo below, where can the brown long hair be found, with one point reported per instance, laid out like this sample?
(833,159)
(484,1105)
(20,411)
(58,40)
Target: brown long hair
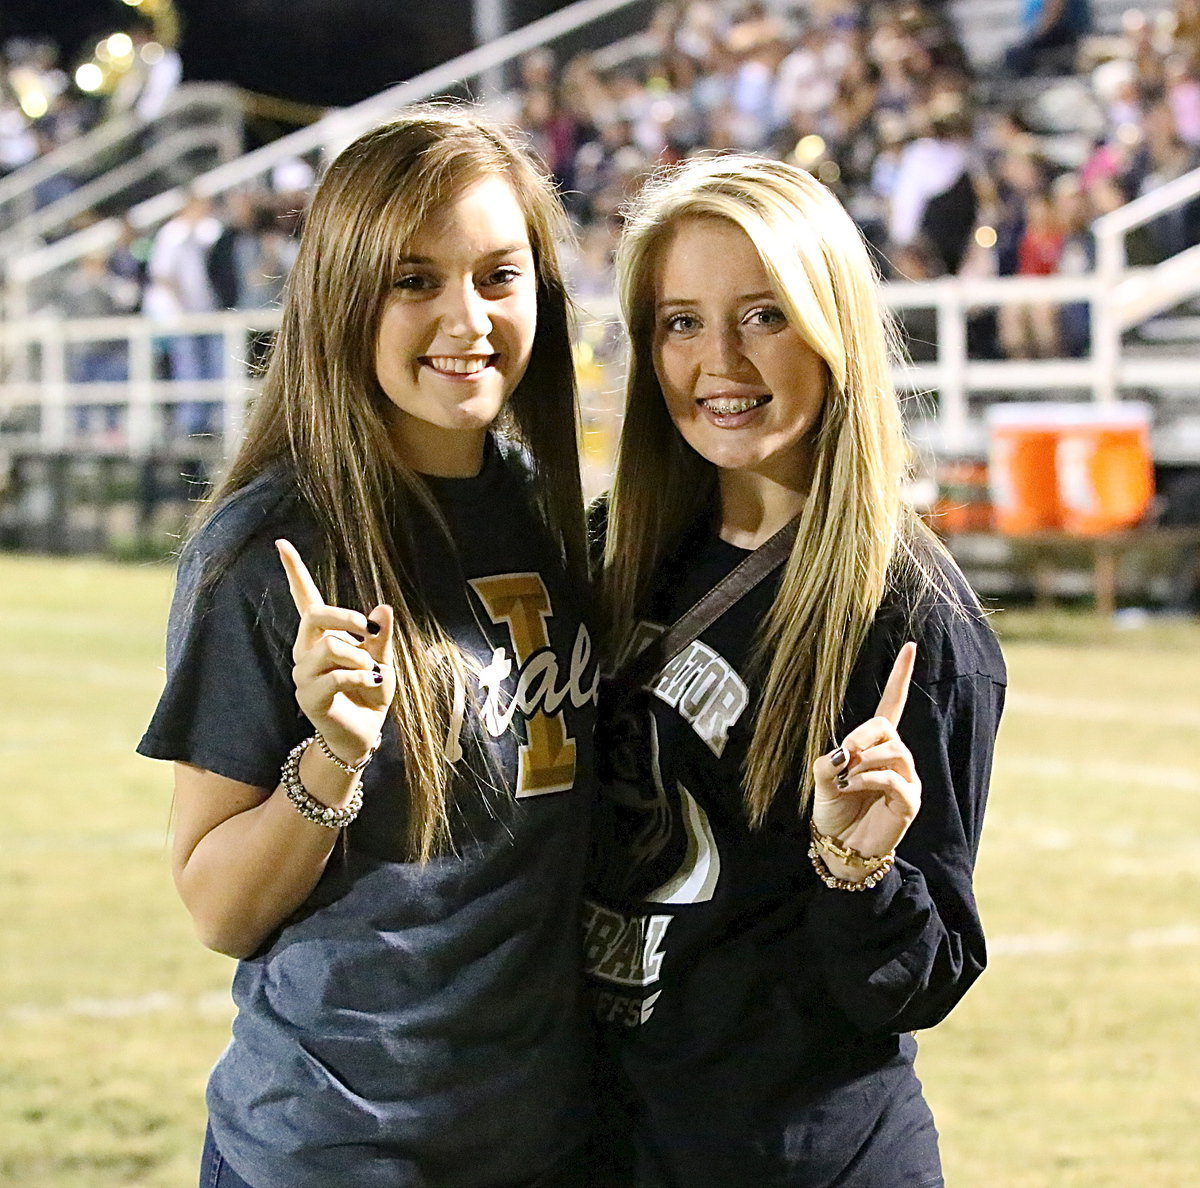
(856,534)
(321,413)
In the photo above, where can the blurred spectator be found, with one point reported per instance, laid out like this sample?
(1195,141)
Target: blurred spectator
(1077,258)
(1031,331)
(130,260)
(156,72)
(179,285)
(1161,157)
(94,291)
(934,204)
(18,144)
(1050,34)
(250,259)
(1110,193)
(1183,96)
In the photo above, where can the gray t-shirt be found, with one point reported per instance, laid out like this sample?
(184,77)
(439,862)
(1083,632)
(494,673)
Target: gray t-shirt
(410,1024)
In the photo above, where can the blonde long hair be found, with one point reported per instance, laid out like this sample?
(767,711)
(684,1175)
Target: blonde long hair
(321,413)
(856,534)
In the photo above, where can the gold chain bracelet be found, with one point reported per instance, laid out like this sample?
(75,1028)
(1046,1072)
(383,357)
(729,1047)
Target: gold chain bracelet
(846,854)
(835,884)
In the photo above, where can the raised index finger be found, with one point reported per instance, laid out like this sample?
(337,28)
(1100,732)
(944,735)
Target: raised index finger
(304,590)
(895,692)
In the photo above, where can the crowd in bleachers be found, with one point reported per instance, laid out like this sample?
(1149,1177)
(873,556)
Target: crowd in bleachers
(43,108)
(39,107)
(946,173)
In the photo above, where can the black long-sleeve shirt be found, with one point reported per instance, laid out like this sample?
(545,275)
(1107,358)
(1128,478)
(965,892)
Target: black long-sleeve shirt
(752,1022)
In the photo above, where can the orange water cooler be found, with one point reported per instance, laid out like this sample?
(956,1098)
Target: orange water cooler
(1105,469)
(1022,449)
(1081,468)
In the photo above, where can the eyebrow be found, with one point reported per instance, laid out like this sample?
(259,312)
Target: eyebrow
(511,249)
(673,302)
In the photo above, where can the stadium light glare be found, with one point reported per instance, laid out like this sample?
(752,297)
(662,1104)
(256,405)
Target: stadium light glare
(809,149)
(89,78)
(985,237)
(34,103)
(120,45)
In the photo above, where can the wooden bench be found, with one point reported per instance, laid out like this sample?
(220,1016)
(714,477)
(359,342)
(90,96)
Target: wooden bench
(1045,554)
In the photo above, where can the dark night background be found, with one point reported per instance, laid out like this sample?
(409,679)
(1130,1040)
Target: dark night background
(328,52)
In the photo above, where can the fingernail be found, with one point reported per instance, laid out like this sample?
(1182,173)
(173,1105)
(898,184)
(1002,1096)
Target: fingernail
(373,627)
(378,677)
(838,758)
(355,635)
(843,782)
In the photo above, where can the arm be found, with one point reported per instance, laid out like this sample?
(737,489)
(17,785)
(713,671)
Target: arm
(243,857)
(899,956)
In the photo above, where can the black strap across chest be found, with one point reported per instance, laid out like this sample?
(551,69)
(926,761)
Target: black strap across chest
(739,581)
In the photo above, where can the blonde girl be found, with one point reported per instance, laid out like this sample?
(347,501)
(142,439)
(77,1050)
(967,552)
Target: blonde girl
(791,804)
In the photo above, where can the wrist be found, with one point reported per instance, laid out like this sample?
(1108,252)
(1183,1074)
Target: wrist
(325,781)
(348,757)
(844,860)
(857,879)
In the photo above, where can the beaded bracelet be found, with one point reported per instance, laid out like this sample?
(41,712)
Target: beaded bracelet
(308,806)
(847,854)
(835,884)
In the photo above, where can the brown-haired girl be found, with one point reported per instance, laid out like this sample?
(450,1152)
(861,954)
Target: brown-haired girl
(382,765)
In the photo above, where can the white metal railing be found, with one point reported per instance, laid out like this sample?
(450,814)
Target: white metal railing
(92,153)
(169,149)
(37,398)
(1137,296)
(36,410)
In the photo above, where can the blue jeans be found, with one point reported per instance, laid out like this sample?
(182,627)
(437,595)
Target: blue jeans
(214,1171)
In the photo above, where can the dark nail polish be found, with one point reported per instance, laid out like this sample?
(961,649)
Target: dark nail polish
(843,782)
(360,638)
(373,627)
(378,677)
(838,758)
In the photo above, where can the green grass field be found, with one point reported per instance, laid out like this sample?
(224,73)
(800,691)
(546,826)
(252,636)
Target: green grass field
(1072,1062)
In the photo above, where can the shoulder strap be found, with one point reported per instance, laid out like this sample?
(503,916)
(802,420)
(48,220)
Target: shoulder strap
(740,580)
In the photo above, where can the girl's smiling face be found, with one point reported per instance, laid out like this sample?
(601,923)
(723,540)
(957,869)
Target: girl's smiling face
(457,330)
(742,386)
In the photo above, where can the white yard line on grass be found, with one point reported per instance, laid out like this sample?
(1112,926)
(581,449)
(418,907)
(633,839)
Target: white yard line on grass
(1143,713)
(1141,775)
(157,1002)
(1058,944)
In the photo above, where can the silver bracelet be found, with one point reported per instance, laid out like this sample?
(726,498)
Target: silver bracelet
(308,806)
(348,768)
